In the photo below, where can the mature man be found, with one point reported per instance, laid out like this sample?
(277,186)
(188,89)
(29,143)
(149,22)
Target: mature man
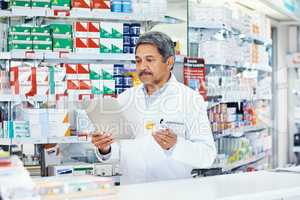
(172,132)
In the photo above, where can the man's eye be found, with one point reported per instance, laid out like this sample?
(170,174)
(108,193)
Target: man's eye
(138,61)
(150,60)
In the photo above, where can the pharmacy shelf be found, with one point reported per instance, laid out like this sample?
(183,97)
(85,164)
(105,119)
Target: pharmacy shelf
(61,140)
(229,167)
(18,98)
(240,131)
(75,14)
(72,57)
(247,67)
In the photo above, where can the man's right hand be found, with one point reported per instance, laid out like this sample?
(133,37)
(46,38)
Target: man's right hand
(102,141)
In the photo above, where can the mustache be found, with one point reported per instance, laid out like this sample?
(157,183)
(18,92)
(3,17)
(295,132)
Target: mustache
(145,73)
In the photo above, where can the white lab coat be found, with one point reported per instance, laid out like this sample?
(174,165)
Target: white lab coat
(142,159)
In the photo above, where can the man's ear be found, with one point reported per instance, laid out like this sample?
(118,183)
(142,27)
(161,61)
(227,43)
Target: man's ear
(171,62)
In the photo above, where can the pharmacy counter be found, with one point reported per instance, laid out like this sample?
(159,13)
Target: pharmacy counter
(247,186)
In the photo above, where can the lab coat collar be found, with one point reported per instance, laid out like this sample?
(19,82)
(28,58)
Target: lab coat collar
(171,80)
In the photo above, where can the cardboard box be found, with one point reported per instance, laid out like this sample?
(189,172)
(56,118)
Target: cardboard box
(24,3)
(81,44)
(20,39)
(61,4)
(83,71)
(105,45)
(42,47)
(108,87)
(105,30)
(40,31)
(93,29)
(20,46)
(97,87)
(61,44)
(61,30)
(42,39)
(94,45)
(41,3)
(116,30)
(107,71)
(85,85)
(19,30)
(117,45)
(73,84)
(81,29)
(85,4)
(101,4)
(95,71)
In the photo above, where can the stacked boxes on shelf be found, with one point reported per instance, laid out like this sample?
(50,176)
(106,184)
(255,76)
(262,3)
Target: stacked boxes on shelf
(3,36)
(131,33)
(111,37)
(78,79)
(58,123)
(232,116)
(20,3)
(194,74)
(123,80)
(57,80)
(101,5)
(19,38)
(23,78)
(62,37)
(42,40)
(87,37)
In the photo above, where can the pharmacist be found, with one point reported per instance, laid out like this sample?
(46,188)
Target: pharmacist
(172,131)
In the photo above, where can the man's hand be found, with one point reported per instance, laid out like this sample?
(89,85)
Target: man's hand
(165,138)
(102,141)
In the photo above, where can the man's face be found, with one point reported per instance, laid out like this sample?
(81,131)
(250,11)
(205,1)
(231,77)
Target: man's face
(150,65)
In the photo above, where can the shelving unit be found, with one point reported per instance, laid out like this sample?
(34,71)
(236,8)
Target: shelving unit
(204,30)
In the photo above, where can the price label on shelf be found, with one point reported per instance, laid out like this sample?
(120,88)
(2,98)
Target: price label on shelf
(63,54)
(61,13)
(30,55)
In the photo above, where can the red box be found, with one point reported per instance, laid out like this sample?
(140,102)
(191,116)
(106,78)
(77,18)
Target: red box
(81,43)
(81,4)
(100,4)
(93,27)
(71,68)
(94,43)
(85,85)
(72,84)
(81,27)
(83,68)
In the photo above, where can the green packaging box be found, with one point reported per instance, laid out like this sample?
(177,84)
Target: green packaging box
(22,3)
(19,30)
(61,30)
(40,31)
(61,44)
(47,47)
(41,39)
(20,46)
(40,4)
(18,38)
(61,4)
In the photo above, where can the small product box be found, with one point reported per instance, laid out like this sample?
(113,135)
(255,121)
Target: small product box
(108,87)
(61,30)
(23,3)
(103,5)
(117,45)
(95,72)
(41,3)
(39,31)
(93,29)
(82,4)
(105,45)
(19,30)
(105,30)
(81,29)
(81,45)
(116,30)
(60,4)
(63,44)
(107,71)
(97,87)
(94,45)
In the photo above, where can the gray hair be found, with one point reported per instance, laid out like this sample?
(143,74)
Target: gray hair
(163,42)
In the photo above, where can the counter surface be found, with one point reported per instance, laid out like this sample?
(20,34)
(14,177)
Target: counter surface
(260,185)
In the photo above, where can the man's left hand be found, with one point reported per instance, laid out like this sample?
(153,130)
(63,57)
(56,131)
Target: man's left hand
(165,138)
